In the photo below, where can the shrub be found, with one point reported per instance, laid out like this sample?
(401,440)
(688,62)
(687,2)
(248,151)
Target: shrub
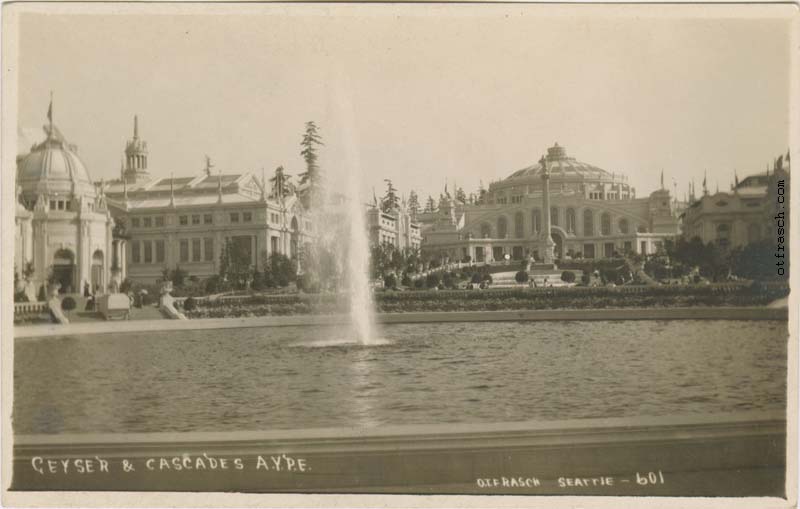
(125,286)
(521,277)
(419,284)
(487,278)
(467,259)
(68,304)
(476,278)
(406,280)
(213,284)
(146,299)
(432,280)
(390,281)
(189,304)
(568,276)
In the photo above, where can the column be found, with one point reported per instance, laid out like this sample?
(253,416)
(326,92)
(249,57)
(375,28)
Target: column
(546,238)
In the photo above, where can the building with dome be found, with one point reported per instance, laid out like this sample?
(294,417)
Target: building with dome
(63,224)
(75,231)
(185,222)
(591,213)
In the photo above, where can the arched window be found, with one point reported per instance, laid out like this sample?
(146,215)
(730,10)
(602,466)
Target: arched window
(605,224)
(588,223)
(536,221)
(519,225)
(502,227)
(571,220)
(624,228)
(486,230)
(554,216)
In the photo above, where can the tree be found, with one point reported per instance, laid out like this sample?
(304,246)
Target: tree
(461,196)
(413,204)
(390,200)
(430,205)
(234,264)
(521,277)
(311,139)
(279,270)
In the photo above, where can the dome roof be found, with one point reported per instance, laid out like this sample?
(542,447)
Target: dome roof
(53,165)
(567,168)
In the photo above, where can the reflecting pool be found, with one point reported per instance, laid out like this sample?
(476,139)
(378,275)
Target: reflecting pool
(302,377)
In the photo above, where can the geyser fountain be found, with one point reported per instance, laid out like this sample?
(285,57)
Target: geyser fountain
(361,305)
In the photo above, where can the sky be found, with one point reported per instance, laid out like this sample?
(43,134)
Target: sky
(422,95)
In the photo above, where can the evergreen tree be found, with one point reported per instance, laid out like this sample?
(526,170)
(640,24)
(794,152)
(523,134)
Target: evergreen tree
(413,204)
(311,139)
(390,200)
(430,205)
(461,196)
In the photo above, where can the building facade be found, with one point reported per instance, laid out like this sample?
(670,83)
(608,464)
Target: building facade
(395,227)
(63,222)
(185,222)
(592,213)
(744,215)
(75,231)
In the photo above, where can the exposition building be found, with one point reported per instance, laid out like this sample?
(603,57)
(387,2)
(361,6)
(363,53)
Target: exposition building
(77,232)
(592,213)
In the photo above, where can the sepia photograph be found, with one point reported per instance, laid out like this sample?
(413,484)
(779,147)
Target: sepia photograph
(507,254)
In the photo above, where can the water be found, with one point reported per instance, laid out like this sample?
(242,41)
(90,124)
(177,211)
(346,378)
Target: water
(300,377)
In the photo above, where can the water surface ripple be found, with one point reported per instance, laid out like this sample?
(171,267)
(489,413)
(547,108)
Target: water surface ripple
(299,377)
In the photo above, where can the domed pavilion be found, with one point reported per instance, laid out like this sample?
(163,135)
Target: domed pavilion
(63,227)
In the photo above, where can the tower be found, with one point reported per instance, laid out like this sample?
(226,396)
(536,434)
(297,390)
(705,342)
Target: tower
(136,156)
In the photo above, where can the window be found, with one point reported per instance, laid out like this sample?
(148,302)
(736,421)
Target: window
(624,227)
(135,222)
(516,252)
(516,199)
(147,222)
(183,220)
(159,221)
(502,227)
(571,220)
(53,205)
(588,223)
(497,253)
(588,250)
(208,219)
(247,217)
(628,246)
(519,225)
(196,250)
(160,249)
(184,248)
(486,231)
(208,249)
(536,221)
(195,218)
(234,217)
(68,205)
(273,244)
(136,254)
(608,250)
(554,216)
(605,224)
(148,251)
(643,247)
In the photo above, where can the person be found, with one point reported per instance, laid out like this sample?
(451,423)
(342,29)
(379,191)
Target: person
(86,291)
(90,302)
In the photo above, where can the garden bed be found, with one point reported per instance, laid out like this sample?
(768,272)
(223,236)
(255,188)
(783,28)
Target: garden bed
(734,294)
